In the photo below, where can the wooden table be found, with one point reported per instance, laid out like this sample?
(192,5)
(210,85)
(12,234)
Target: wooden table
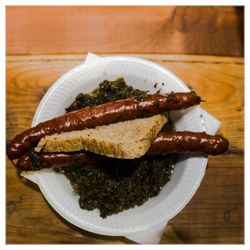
(44,42)
(214,215)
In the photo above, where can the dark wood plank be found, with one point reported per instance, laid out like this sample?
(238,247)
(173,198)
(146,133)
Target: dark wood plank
(116,29)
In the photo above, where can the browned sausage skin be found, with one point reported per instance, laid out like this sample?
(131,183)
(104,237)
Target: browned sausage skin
(177,142)
(100,115)
(50,160)
(165,142)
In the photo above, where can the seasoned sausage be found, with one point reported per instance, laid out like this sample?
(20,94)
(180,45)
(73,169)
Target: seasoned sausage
(48,160)
(107,113)
(177,142)
(165,142)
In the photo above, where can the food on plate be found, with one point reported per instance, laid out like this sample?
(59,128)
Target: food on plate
(118,121)
(90,117)
(184,141)
(165,143)
(35,161)
(114,185)
(128,140)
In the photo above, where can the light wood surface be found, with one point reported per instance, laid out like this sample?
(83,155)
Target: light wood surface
(116,29)
(214,215)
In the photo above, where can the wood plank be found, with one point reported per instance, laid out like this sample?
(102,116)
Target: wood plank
(117,29)
(155,57)
(214,215)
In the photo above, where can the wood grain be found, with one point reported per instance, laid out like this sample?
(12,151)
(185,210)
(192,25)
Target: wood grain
(214,215)
(116,29)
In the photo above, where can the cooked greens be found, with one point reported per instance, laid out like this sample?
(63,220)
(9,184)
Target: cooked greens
(107,91)
(114,185)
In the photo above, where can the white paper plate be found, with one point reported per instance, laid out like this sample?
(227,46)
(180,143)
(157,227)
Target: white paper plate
(188,173)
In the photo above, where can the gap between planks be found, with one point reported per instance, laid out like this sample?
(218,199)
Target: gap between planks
(154,57)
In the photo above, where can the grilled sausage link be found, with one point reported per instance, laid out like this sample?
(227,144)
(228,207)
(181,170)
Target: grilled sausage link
(165,142)
(178,142)
(50,160)
(107,113)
